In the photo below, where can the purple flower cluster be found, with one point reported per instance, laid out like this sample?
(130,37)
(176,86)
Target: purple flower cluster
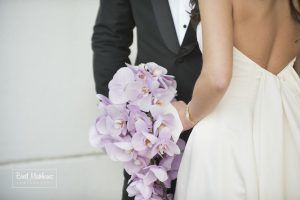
(134,128)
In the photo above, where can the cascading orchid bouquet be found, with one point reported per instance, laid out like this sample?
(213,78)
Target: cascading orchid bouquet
(138,126)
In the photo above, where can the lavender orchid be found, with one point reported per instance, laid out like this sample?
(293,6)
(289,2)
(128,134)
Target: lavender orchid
(135,127)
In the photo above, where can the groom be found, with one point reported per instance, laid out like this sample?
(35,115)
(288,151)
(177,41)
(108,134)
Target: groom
(165,36)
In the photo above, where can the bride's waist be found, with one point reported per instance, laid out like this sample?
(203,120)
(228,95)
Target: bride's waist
(243,85)
(245,70)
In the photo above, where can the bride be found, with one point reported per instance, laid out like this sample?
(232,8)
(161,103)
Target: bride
(245,108)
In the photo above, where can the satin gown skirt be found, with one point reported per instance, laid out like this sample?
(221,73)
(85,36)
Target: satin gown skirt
(249,146)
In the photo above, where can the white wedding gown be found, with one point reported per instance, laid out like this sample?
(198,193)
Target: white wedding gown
(249,146)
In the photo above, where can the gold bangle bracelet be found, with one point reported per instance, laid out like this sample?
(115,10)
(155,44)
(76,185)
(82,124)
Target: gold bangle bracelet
(187,114)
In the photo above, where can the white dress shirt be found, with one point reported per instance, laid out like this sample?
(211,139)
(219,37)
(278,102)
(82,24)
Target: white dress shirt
(180,10)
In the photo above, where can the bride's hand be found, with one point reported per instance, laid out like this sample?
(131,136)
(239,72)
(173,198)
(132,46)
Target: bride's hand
(180,107)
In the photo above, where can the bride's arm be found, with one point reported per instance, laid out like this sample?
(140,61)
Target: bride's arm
(297,65)
(217,27)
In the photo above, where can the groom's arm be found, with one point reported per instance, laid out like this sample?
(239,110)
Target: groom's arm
(111,39)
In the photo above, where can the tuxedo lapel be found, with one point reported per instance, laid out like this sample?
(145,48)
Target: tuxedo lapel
(189,42)
(165,24)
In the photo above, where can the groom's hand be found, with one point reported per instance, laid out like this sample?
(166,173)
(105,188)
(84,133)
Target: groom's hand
(180,107)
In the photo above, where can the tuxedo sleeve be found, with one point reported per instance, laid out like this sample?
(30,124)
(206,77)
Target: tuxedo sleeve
(111,39)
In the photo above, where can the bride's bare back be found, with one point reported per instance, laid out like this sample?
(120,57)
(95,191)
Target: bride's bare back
(248,119)
(265,31)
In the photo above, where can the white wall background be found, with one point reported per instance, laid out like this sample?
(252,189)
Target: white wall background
(48,100)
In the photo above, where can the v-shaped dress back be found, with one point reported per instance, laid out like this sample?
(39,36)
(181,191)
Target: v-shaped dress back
(249,146)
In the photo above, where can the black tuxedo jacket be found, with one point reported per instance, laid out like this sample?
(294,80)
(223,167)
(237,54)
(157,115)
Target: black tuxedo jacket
(157,42)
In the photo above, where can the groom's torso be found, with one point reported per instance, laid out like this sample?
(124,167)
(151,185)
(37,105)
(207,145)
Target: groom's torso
(158,42)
